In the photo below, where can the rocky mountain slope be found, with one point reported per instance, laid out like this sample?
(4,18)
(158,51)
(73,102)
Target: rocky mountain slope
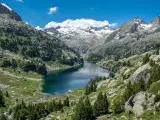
(81,38)
(4,9)
(33,50)
(133,37)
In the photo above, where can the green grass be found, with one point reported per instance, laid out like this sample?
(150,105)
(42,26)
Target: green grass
(155,87)
(22,74)
(151,115)
(20,89)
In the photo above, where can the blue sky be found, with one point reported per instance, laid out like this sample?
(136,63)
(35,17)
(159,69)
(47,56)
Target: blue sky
(35,12)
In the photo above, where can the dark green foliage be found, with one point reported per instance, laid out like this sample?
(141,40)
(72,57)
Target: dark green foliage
(101,106)
(22,39)
(135,88)
(119,102)
(66,102)
(14,64)
(9,44)
(91,86)
(6,63)
(126,63)
(151,62)
(3,117)
(2,103)
(155,75)
(157,48)
(68,61)
(94,58)
(83,110)
(157,98)
(7,94)
(146,58)
(35,111)
(34,65)
(29,66)
(118,105)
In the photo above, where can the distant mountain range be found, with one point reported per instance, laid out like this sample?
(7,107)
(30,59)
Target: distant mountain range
(81,38)
(93,42)
(133,37)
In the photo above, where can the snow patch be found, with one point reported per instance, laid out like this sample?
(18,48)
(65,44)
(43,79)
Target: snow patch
(39,28)
(146,26)
(6,6)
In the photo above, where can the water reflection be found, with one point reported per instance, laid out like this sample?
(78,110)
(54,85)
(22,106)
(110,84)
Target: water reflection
(72,79)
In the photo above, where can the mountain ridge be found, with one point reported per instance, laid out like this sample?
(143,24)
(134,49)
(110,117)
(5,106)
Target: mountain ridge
(13,15)
(37,50)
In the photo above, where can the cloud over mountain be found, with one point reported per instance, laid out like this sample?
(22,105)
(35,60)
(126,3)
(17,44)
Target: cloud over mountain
(79,23)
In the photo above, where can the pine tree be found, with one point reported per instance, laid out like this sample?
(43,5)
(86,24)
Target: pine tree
(3,117)
(2,103)
(105,104)
(79,111)
(83,110)
(7,95)
(66,102)
(88,109)
(101,105)
(118,105)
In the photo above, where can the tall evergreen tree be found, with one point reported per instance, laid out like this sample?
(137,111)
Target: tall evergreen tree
(79,111)
(2,103)
(3,117)
(83,110)
(101,105)
(88,109)
(66,102)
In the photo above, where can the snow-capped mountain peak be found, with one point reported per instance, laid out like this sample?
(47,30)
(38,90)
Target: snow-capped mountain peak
(80,34)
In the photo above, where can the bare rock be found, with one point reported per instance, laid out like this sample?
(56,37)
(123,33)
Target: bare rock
(140,102)
(141,73)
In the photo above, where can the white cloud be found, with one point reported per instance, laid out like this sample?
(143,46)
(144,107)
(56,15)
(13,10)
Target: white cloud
(52,10)
(19,0)
(6,6)
(26,23)
(39,28)
(80,23)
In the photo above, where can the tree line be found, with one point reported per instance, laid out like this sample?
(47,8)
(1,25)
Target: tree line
(85,111)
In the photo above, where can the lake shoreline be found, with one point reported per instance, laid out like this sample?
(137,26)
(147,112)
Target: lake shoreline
(60,82)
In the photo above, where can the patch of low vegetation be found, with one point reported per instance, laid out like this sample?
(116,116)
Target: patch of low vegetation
(85,111)
(91,86)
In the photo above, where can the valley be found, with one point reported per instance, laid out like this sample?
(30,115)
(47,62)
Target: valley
(86,72)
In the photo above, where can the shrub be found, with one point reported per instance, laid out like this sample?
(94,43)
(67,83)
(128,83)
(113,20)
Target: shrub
(83,110)
(101,106)
(118,105)
(146,58)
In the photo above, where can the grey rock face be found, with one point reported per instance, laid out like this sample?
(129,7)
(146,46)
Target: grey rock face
(11,14)
(140,73)
(156,21)
(140,102)
(133,37)
(81,40)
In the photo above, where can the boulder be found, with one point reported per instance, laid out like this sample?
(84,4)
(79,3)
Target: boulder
(140,102)
(141,73)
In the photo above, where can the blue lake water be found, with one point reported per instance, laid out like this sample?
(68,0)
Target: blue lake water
(72,79)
